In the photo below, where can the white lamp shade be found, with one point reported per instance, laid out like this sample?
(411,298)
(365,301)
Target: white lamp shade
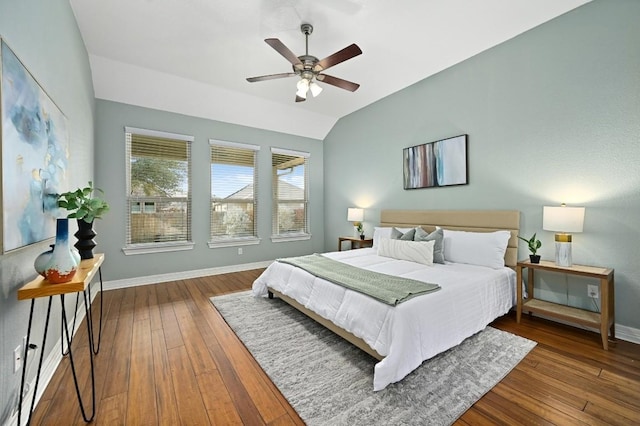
(563,219)
(315,88)
(355,215)
(303,88)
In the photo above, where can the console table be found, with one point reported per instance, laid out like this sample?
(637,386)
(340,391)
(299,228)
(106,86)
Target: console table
(40,287)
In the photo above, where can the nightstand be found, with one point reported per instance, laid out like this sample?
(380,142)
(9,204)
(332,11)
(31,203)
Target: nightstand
(603,321)
(356,242)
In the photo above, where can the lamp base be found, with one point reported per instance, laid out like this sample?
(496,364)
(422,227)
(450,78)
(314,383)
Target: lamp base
(563,250)
(356,234)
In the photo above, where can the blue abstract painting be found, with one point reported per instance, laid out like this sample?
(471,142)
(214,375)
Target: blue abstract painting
(433,164)
(35,154)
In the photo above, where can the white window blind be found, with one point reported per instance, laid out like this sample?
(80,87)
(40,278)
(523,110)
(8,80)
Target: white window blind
(290,218)
(234,188)
(158,188)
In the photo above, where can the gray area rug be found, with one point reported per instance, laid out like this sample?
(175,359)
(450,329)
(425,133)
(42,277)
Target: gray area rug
(330,382)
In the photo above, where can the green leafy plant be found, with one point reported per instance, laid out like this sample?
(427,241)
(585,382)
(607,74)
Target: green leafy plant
(534,244)
(82,203)
(359,228)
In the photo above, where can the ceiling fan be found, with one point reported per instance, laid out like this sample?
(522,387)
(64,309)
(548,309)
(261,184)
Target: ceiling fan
(309,68)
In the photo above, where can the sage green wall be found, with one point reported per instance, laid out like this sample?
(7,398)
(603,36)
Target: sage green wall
(112,117)
(44,35)
(552,116)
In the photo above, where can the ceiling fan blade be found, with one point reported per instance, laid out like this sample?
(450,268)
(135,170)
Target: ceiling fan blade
(300,99)
(283,50)
(340,56)
(338,82)
(270,77)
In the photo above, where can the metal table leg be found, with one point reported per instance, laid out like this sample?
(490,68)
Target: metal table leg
(73,327)
(24,365)
(95,348)
(73,367)
(66,336)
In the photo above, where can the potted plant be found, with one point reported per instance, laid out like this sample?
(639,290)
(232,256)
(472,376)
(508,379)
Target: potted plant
(85,207)
(534,244)
(360,230)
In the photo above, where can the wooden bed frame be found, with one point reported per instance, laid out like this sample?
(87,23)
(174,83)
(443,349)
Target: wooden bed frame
(459,220)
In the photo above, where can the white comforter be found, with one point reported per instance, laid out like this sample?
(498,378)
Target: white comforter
(411,332)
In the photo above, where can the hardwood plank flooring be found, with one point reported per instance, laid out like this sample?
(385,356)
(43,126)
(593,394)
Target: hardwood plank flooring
(167,357)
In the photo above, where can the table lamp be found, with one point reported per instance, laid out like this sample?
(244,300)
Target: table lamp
(563,220)
(356,216)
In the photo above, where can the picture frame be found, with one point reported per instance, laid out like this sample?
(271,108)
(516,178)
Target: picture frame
(35,155)
(436,164)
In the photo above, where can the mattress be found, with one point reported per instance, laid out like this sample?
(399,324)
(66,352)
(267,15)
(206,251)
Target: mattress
(407,334)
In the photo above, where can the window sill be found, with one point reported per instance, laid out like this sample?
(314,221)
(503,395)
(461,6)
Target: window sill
(233,242)
(290,237)
(149,248)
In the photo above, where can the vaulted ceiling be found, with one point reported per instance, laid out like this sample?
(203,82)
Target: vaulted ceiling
(193,56)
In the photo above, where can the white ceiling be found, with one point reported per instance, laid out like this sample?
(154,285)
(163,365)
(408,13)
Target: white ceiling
(193,56)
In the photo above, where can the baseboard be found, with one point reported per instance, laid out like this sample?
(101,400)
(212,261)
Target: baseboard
(49,364)
(629,334)
(174,276)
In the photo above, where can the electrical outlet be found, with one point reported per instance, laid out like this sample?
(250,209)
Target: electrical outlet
(17,358)
(239,250)
(593,291)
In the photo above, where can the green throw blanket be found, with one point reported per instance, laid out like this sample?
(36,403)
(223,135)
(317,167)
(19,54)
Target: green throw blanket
(388,289)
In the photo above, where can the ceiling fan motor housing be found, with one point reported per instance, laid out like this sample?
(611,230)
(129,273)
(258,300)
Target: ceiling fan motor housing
(307,63)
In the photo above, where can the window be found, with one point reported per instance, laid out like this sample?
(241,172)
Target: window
(290,199)
(234,186)
(159,191)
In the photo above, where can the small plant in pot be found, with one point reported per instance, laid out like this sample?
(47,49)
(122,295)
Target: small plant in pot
(534,244)
(360,230)
(85,207)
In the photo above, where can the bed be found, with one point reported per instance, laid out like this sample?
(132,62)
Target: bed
(471,295)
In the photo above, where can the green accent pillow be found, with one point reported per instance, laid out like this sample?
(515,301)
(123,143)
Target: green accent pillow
(396,234)
(438,237)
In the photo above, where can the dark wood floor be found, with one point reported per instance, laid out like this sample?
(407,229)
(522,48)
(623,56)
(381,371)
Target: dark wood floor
(167,357)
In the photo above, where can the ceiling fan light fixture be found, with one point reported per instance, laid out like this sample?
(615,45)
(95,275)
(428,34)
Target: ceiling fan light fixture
(315,88)
(303,88)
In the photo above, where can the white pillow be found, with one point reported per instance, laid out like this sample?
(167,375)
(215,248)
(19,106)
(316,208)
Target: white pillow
(420,252)
(380,232)
(476,248)
(384,232)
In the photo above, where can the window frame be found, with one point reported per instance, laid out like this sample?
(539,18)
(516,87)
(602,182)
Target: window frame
(165,246)
(289,236)
(217,242)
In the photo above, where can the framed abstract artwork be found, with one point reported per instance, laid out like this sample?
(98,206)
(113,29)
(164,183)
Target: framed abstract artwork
(438,163)
(35,153)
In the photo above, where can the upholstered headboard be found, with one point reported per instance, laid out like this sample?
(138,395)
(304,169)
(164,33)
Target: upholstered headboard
(462,220)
